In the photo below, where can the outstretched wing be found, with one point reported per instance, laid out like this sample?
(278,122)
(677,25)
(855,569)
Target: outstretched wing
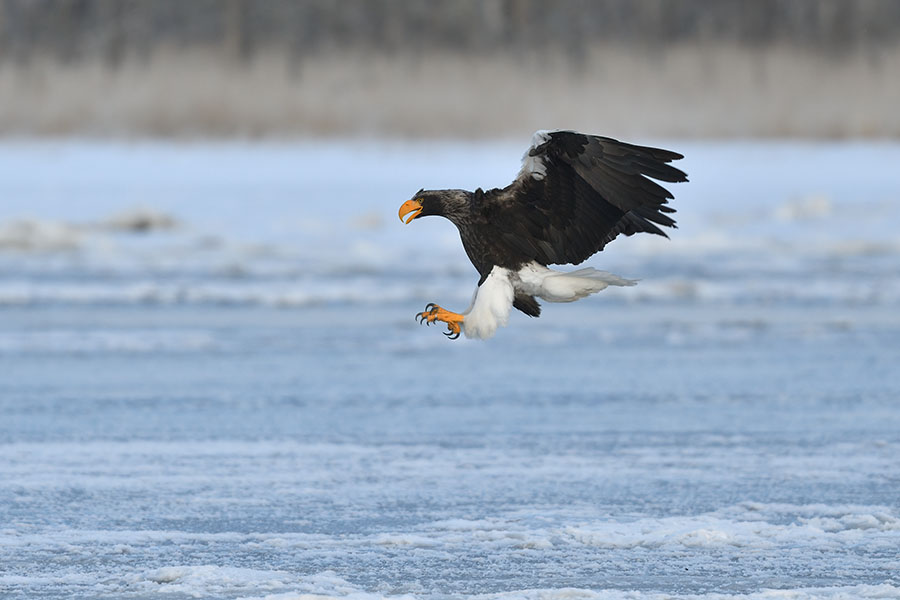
(576,193)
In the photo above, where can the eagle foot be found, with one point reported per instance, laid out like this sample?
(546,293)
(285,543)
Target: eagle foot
(433,313)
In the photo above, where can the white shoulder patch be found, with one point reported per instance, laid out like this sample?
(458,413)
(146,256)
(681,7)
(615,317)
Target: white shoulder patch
(491,305)
(535,165)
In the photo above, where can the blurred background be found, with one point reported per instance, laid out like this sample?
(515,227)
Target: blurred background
(211,380)
(414,68)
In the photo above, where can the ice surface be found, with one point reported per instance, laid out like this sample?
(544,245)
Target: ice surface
(312,223)
(211,383)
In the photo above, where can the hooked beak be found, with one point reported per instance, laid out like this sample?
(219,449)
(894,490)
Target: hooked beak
(410,206)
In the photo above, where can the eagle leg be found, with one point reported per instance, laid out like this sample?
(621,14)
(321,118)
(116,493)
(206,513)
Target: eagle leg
(434,313)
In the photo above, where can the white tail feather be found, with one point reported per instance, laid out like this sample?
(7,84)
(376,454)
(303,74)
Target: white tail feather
(609,278)
(556,286)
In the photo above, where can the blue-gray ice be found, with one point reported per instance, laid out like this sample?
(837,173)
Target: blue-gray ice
(212,385)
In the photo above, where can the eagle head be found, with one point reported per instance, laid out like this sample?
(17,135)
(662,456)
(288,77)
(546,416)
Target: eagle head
(451,204)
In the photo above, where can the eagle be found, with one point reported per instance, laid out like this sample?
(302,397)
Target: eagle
(574,194)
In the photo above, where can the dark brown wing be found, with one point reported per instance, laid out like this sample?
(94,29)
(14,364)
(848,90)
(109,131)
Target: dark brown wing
(577,192)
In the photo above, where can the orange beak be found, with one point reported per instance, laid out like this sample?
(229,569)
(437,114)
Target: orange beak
(410,206)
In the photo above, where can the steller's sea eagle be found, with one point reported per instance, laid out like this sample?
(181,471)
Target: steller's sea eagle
(574,194)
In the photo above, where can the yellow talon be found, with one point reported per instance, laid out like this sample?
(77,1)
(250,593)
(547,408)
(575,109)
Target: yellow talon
(433,313)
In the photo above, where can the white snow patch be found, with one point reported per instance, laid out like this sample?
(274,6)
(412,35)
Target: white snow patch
(806,208)
(32,235)
(209,580)
(410,540)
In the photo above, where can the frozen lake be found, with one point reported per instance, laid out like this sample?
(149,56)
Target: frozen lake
(212,385)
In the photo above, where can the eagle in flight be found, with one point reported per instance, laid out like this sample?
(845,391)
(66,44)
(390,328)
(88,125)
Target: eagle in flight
(574,194)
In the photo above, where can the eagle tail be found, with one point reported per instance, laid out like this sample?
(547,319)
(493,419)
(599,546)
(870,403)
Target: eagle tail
(568,287)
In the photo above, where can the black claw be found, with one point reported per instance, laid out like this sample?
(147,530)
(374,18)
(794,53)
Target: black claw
(430,310)
(422,317)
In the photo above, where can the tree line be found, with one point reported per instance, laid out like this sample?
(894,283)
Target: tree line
(119,30)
